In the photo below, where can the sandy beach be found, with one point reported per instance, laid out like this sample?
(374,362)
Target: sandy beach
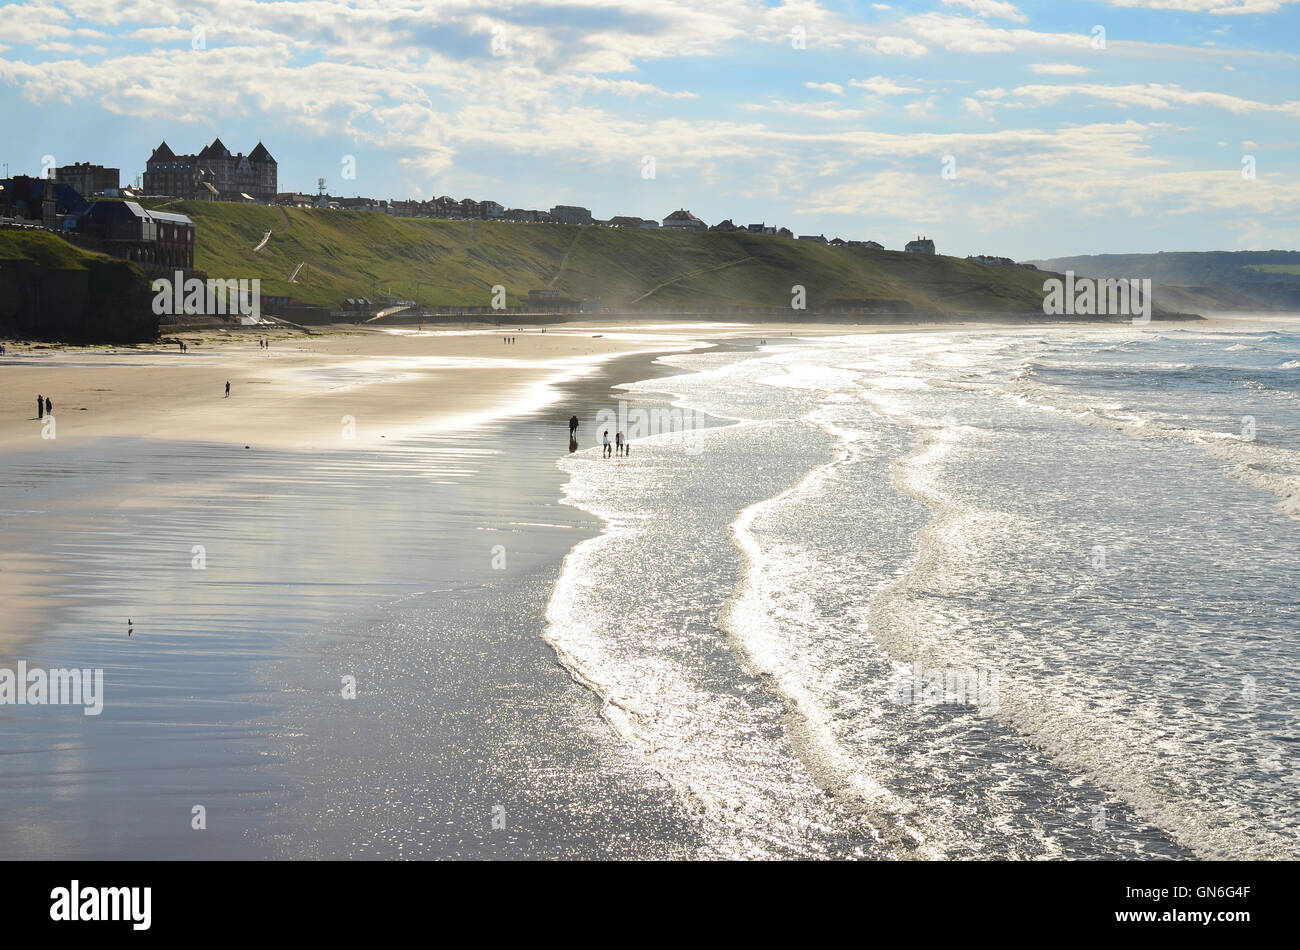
(295,393)
(530,633)
(343,389)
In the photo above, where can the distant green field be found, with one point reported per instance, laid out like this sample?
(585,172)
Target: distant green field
(1209,280)
(457,263)
(1277,268)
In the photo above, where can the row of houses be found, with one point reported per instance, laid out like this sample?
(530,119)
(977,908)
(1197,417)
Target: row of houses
(115,226)
(214,173)
(462,209)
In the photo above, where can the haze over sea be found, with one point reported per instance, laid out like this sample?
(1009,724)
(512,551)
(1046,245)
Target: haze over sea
(963,593)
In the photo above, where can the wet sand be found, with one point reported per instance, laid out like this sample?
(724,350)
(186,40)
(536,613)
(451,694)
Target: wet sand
(376,563)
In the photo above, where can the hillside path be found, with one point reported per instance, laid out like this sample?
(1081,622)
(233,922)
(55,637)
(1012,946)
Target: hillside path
(694,273)
(565,259)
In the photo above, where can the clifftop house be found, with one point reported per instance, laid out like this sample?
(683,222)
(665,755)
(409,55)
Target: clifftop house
(88,179)
(570,214)
(631,221)
(920,246)
(214,173)
(681,218)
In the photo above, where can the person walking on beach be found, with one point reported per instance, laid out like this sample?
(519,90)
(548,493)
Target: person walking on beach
(49,407)
(40,406)
(227,389)
(606,451)
(573,425)
(618,443)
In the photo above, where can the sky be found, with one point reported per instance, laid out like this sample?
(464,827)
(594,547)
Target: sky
(1025,129)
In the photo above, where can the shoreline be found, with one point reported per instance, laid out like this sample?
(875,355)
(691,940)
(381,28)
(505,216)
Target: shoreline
(242,659)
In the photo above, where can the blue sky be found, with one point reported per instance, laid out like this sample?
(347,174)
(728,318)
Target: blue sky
(835,117)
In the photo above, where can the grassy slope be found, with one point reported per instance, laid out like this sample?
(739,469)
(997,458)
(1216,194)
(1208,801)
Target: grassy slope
(350,254)
(44,249)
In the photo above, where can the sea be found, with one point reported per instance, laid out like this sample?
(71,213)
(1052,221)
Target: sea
(962,594)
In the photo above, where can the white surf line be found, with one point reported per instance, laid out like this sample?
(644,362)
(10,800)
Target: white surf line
(827,761)
(1066,729)
(844,779)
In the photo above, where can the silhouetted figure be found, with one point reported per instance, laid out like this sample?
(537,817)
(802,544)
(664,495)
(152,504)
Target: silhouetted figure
(605,453)
(573,425)
(227,389)
(40,407)
(49,407)
(618,443)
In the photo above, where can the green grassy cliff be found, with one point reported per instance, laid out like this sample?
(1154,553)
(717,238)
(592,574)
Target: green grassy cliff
(51,290)
(350,254)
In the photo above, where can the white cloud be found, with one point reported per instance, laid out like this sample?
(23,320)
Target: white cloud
(1152,96)
(1058,69)
(832,87)
(1207,6)
(895,46)
(812,110)
(990,8)
(882,86)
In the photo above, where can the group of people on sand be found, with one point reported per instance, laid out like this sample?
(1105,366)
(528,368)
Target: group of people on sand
(620,445)
(184,347)
(43,406)
(263,344)
(507,339)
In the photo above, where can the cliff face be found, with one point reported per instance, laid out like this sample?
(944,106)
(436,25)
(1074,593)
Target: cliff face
(50,290)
